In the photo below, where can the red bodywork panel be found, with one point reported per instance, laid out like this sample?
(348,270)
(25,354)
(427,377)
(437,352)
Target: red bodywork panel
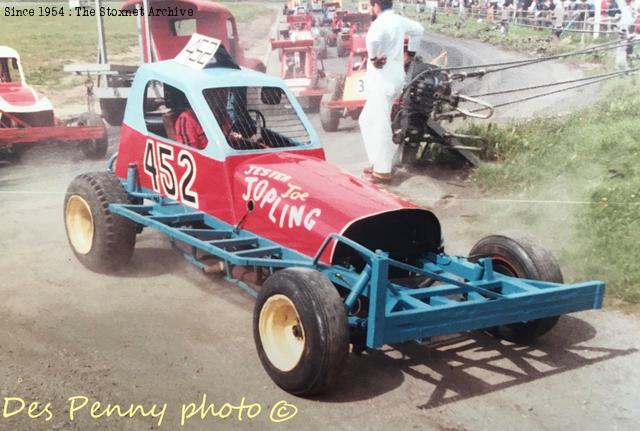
(358,24)
(304,47)
(17,94)
(299,198)
(300,22)
(286,43)
(60,133)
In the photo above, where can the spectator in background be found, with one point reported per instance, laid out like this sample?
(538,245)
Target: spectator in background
(612,9)
(508,9)
(538,9)
(626,16)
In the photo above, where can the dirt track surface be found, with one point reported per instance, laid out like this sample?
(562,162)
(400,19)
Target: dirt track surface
(162,332)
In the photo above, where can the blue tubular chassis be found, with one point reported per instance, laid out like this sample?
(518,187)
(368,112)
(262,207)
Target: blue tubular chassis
(469,296)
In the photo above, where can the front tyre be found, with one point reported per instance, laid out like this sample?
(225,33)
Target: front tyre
(521,258)
(330,117)
(102,241)
(300,330)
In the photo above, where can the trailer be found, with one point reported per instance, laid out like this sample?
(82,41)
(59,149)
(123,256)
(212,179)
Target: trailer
(160,38)
(332,260)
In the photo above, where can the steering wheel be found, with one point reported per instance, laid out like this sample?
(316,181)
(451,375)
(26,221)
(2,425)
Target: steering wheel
(261,123)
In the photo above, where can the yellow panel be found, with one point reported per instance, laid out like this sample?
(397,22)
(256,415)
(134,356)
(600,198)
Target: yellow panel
(354,87)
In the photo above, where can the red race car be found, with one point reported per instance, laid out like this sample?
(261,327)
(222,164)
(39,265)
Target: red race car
(353,25)
(332,260)
(299,60)
(27,117)
(335,27)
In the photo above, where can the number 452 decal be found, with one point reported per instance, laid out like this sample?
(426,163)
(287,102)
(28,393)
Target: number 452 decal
(159,160)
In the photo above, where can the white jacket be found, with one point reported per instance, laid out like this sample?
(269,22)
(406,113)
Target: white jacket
(386,39)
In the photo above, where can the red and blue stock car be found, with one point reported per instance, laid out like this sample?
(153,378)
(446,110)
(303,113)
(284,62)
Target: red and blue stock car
(333,261)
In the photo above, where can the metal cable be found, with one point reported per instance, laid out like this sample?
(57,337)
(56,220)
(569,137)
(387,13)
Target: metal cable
(522,63)
(549,93)
(525,62)
(555,84)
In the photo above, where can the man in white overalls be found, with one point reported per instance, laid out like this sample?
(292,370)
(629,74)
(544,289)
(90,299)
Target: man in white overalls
(384,82)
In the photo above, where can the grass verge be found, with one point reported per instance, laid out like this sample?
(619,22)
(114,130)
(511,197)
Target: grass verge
(581,173)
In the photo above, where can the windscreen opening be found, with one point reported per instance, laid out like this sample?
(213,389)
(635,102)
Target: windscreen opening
(256,118)
(9,71)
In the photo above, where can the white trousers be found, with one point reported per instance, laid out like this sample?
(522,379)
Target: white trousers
(375,127)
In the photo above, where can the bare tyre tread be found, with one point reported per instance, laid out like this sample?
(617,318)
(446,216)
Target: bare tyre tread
(323,317)
(94,148)
(527,260)
(114,237)
(330,118)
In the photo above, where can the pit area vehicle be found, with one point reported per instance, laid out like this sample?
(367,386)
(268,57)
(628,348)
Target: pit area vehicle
(161,37)
(322,12)
(345,96)
(299,66)
(330,9)
(335,28)
(27,118)
(293,6)
(353,25)
(364,7)
(297,27)
(317,11)
(332,260)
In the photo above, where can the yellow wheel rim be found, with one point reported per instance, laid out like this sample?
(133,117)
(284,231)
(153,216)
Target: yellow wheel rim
(79,224)
(281,332)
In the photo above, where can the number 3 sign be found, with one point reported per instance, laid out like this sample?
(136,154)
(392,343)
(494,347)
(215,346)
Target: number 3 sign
(355,87)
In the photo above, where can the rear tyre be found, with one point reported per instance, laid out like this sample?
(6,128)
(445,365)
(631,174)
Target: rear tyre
(314,104)
(520,258)
(330,118)
(102,241)
(93,148)
(300,331)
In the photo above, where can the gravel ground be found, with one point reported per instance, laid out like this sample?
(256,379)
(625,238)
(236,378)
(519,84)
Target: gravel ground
(162,332)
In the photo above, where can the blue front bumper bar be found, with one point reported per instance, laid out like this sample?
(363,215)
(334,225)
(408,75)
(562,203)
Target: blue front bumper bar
(468,296)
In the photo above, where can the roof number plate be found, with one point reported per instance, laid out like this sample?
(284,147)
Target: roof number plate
(199,51)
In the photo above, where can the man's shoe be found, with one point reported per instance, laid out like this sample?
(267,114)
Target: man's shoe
(379,178)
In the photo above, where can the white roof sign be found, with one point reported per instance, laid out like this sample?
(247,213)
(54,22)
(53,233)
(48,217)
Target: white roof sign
(199,51)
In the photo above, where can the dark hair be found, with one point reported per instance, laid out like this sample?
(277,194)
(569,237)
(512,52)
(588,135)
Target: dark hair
(175,99)
(384,4)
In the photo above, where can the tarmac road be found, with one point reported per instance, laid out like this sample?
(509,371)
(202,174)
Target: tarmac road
(162,332)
